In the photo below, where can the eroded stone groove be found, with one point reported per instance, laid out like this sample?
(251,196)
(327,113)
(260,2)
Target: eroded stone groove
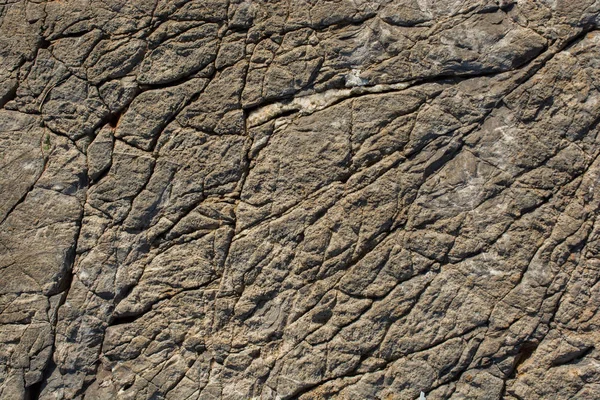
(313,199)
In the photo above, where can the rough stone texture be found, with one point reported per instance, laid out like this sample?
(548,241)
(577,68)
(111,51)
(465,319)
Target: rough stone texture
(313,199)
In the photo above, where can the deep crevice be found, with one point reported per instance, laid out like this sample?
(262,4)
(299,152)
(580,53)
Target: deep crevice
(44,43)
(34,391)
(126,319)
(526,350)
(113,120)
(9,96)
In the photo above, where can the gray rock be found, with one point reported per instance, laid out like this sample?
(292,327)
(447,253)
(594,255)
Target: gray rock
(390,199)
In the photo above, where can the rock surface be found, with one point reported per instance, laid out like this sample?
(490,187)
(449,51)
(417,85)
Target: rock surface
(312,199)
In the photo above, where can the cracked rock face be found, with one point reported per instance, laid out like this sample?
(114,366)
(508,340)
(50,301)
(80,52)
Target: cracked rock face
(307,199)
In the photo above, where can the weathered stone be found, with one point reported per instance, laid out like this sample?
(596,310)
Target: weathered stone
(299,199)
